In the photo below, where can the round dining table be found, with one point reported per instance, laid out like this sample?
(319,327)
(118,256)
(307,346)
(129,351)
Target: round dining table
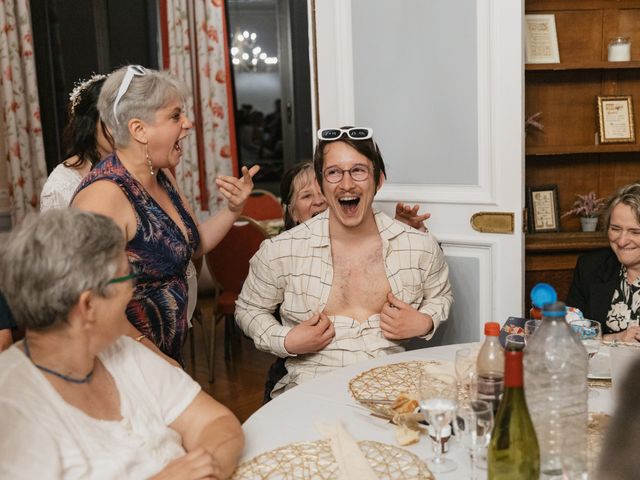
(293,416)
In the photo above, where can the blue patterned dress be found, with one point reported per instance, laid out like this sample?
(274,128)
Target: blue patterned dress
(161,253)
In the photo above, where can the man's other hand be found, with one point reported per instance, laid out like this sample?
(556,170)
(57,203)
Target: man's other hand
(400,321)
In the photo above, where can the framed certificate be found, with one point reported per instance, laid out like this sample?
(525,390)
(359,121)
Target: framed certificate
(543,208)
(615,115)
(541,40)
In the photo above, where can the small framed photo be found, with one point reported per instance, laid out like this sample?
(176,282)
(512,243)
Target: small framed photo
(541,39)
(615,115)
(543,208)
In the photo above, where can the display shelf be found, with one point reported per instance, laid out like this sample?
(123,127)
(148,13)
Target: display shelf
(565,241)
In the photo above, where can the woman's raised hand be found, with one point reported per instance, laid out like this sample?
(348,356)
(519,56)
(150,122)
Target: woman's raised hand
(410,216)
(237,190)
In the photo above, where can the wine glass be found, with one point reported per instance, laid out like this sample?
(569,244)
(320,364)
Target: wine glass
(590,334)
(472,425)
(530,327)
(438,393)
(465,366)
(515,340)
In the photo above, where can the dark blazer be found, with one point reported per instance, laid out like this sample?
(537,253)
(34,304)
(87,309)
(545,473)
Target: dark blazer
(594,280)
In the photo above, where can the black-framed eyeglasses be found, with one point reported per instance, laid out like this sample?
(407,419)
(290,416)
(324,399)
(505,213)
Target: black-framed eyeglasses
(359,173)
(133,274)
(354,133)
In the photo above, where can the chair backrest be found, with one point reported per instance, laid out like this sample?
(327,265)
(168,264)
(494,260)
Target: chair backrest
(262,205)
(228,262)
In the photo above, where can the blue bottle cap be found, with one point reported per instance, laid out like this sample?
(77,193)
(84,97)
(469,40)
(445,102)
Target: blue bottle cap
(542,294)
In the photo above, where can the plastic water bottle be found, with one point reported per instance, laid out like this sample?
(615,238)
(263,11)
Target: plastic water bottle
(555,376)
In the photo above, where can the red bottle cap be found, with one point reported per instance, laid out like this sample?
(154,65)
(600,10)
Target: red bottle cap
(492,329)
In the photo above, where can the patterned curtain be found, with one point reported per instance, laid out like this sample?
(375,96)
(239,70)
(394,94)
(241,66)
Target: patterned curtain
(22,138)
(195,42)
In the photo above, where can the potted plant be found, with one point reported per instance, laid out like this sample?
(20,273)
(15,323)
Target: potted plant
(587,207)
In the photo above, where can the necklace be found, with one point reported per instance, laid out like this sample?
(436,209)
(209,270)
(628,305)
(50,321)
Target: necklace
(64,377)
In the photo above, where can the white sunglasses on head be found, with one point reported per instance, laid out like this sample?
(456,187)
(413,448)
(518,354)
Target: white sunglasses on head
(354,133)
(132,70)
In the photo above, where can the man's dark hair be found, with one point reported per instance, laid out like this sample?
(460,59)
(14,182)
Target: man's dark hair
(368,148)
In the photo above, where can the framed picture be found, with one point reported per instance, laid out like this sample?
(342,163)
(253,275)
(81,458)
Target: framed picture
(615,115)
(543,208)
(541,40)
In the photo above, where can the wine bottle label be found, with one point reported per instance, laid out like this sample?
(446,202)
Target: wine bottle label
(489,387)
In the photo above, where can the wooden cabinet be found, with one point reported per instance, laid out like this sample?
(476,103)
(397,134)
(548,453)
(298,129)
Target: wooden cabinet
(567,153)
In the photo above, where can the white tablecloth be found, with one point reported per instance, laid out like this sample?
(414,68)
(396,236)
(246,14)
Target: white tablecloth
(292,416)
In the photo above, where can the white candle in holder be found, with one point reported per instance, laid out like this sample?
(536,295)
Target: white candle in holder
(619,50)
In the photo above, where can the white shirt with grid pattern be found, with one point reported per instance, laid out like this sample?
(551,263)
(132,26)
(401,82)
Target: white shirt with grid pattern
(294,271)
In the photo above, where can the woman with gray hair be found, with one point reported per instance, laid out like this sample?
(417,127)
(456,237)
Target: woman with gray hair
(606,283)
(144,112)
(79,398)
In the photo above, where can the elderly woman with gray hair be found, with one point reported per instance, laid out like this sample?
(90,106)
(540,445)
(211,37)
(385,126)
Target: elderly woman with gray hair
(144,112)
(606,283)
(78,397)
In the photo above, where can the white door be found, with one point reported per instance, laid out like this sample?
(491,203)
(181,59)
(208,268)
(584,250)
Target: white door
(441,83)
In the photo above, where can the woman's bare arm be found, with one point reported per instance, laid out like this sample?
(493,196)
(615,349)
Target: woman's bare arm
(210,425)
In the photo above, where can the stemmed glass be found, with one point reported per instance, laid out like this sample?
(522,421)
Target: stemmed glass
(516,340)
(465,366)
(472,425)
(438,393)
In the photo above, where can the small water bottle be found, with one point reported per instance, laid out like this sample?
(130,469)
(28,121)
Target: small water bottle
(555,375)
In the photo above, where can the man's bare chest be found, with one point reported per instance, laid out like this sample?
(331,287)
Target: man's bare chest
(360,285)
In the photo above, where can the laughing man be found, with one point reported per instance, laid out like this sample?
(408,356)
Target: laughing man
(350,283)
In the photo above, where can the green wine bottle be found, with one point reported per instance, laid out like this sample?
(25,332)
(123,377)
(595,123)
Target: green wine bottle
(513,451)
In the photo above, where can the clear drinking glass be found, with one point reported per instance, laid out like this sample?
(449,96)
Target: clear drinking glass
(530,327)
(472,425)
(590,334)
(438,395)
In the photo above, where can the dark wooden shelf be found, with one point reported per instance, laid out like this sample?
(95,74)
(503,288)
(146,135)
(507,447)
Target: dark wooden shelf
(569,149)
(565,241)
(554,67)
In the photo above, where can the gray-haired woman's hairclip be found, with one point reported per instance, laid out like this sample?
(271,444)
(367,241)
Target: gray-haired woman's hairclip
(76,94)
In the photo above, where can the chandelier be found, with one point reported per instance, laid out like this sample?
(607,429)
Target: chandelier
(247,55)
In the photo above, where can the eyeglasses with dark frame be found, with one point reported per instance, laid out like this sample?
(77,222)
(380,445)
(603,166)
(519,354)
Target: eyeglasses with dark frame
(133,274)
(354,133)
(358,173)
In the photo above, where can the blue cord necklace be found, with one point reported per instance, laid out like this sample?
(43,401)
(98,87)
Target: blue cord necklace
(64,377)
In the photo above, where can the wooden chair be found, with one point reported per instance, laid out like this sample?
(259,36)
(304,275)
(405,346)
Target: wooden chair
(228,263)
(262,205)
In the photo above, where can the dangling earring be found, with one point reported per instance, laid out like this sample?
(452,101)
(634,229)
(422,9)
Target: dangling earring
(146,154)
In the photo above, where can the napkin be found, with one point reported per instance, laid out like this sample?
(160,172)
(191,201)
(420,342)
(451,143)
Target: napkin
(349,457)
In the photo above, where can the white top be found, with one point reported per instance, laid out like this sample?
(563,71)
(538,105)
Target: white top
(60,187)
(45,437)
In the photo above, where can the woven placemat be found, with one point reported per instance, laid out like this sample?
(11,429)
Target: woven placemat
(314,460)
(388,381)
(599,382)
(596,429)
